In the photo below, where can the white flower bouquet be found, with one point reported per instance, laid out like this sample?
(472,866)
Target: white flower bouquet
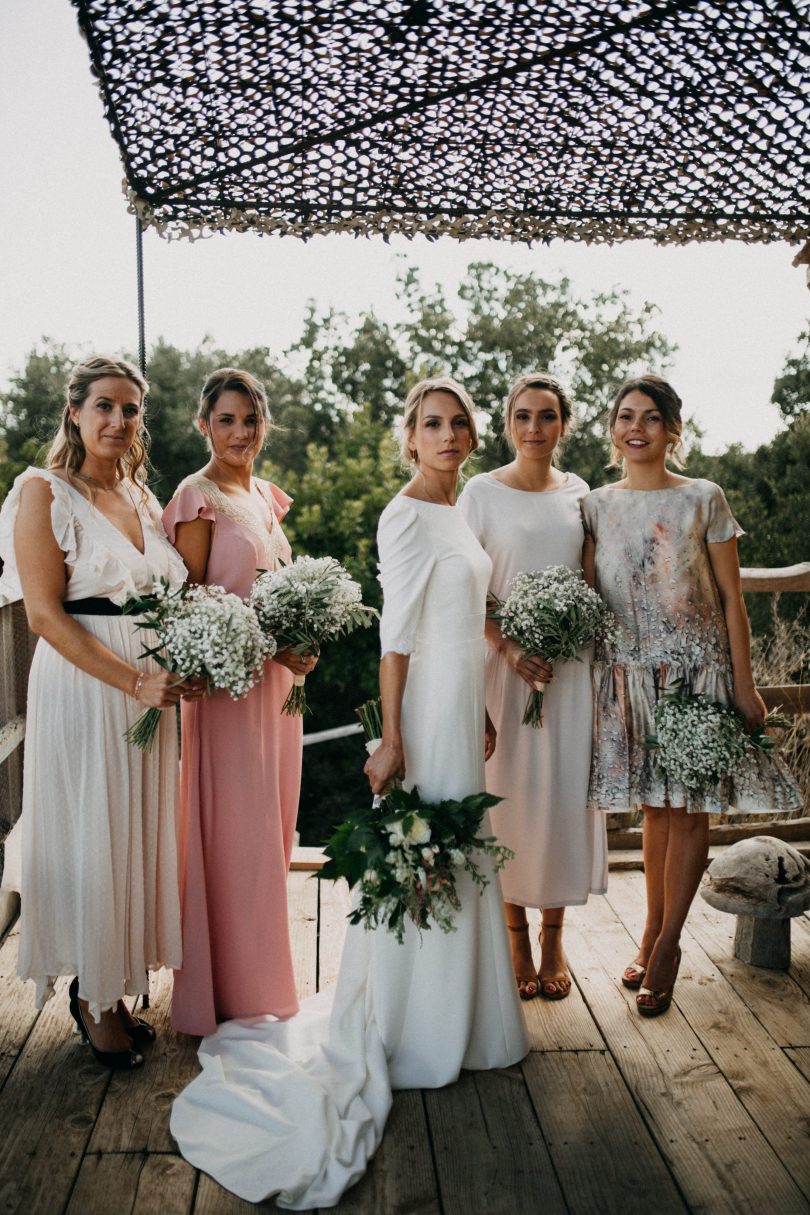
(305,604)
(405,856)
(551,613)
(698,742)
(201,631)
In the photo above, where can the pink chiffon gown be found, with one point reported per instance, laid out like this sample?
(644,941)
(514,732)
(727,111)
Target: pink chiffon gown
(240,783)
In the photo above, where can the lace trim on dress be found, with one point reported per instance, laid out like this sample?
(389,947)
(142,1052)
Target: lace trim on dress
(272,540)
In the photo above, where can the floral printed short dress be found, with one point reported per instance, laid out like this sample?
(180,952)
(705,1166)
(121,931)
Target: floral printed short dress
(654,572)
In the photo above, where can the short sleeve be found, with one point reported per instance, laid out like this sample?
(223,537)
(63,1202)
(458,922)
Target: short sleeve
(720,523)
(589,516)
(188,503)
(280,501)
(63,523)
(406,561)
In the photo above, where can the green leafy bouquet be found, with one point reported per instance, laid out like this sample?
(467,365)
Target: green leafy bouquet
(551,613)
(201,630)
(304,604)
(698,742)
(405,854)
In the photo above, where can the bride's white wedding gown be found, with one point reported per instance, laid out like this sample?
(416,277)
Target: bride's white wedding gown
(296,1108)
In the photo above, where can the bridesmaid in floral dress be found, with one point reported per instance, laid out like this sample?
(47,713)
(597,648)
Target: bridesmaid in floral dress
(241,762)
(663,551)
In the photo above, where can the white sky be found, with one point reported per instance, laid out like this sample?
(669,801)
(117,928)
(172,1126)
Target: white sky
(67,256)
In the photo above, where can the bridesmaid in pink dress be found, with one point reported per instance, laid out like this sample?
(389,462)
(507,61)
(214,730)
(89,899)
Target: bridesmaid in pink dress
(241,761)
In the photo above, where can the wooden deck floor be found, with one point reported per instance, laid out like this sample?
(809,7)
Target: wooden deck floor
(706,1110)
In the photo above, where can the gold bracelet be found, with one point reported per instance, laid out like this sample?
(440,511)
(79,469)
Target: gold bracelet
(138,686)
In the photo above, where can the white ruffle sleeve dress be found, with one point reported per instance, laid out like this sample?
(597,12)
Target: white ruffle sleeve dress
(96,842)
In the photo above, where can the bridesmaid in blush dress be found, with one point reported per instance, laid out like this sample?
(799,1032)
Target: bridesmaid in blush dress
(241,762)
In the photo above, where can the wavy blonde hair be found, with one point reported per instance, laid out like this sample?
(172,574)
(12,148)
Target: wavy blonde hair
(67,451)
(413,404)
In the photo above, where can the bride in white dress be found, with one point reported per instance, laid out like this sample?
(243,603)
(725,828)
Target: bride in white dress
(296,1109)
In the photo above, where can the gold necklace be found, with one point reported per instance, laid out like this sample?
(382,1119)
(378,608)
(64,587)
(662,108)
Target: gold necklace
(435,501)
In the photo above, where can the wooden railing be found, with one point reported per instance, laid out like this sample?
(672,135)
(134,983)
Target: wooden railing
(16,651)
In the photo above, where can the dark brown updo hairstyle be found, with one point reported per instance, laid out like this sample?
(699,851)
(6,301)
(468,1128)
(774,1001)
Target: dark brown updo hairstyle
(231,379)
(666,401)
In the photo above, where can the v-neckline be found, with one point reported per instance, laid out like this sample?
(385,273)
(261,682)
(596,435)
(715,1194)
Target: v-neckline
(109,522)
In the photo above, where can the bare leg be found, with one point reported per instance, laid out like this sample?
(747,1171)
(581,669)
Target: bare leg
(654,840)
(109,1034)
(521,946)
(687,850)
(555,981)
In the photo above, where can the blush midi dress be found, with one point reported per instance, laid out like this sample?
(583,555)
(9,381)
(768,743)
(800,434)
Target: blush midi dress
(240,783)
(96,840)
(653,571)
(296,1109)
(559,842)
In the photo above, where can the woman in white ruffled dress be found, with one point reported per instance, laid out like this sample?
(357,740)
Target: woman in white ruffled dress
(96,838)
(296,1108)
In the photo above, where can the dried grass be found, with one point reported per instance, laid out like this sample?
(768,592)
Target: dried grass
(779,658)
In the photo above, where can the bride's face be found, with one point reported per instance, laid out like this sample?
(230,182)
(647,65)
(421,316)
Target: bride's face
(441,439)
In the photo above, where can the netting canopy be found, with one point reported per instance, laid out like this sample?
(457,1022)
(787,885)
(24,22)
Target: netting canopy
(594,120)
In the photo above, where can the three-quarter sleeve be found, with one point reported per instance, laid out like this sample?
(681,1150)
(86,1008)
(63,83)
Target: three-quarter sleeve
(406,561)
(188,503)
(720,523)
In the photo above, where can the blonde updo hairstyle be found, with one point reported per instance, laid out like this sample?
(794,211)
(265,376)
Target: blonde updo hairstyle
(67,450)
(231,379)
(536,379)
(666,401)
(413,405)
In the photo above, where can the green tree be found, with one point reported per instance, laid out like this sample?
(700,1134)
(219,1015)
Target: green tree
(30,409)
(791,392)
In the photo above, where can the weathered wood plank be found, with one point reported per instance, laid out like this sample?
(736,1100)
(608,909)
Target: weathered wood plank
(719,1158)
(559,1024)
(135,1183)
(773,1093)
(301,906)
(212,1199)
(401,1177)
(49,1106)
(488,1147)
(800,1056)
(17,1012)
(335,907)
(777,578)
(135,1114)
(604,1157)
(774,997)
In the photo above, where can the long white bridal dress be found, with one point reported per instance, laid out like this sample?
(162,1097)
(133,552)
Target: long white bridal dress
(296,1108)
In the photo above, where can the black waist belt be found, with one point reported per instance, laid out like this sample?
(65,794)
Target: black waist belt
(92,607)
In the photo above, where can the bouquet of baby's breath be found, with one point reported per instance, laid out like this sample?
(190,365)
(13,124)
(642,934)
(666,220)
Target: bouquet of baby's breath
(698,742)
(304,604)
(201,630)
(405,856)
(550,614)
